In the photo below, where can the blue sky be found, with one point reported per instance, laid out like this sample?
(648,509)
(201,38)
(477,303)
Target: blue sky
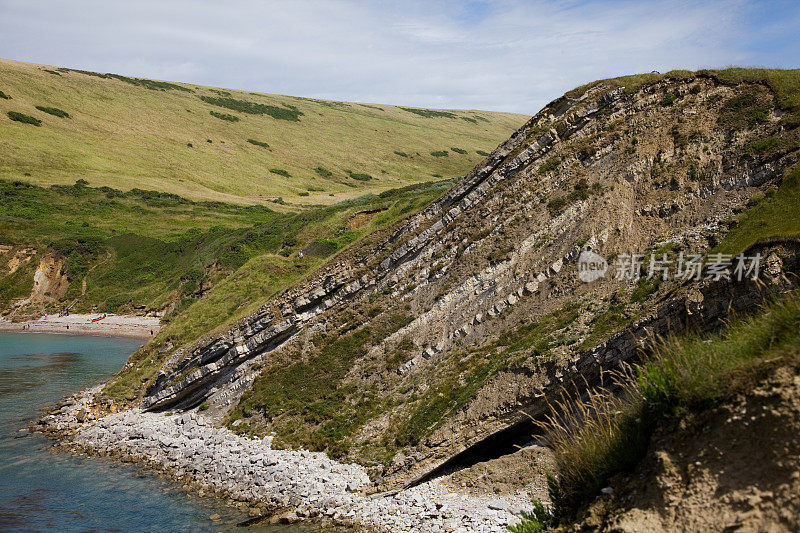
(499,55)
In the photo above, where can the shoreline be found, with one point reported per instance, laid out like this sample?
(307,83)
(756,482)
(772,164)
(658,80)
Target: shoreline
(272,485)
(131,326)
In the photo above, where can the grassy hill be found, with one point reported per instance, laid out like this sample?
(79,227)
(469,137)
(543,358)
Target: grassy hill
(59,125)
(143,250)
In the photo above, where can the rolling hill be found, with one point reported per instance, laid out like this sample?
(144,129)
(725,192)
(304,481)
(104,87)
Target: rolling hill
(206,143)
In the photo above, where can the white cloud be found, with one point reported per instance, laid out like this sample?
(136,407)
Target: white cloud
(502,55)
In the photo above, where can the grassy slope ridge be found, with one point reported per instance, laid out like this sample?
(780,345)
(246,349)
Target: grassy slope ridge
(128,133)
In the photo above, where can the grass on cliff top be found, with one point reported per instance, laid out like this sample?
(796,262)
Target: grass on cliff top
(609,432)
(269,270)
(776,214)
(130,133)
(784,82)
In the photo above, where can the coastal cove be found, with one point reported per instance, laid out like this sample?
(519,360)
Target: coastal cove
(42,489)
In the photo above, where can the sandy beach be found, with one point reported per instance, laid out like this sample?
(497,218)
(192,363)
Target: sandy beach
(77,324)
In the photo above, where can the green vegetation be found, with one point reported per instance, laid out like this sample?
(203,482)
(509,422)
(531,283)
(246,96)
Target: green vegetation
(401,154)
(323,172)
(440,153)
(609,432)
(225,116)
(540,519)
(459,150)
(25,119)
(745,111)
(550,164)
(258,143)
(429,113)
(56,112)
(303,391)
(132,248)
(773,215)
(644,288)
(359,176)
(4,96)
(581,191)
(280,172)
(768,147)
(290,113)
(668,99)
(153,85)
(784,83)
(481,152)
(605,324)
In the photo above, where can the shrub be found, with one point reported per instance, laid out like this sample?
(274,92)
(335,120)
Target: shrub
(147,84)
(401,154)
(203,406)
(303,193)
(557,205)
(744,111)
(359,176)
(280,172)
(4,96)
(644,289)
(323,172)
(459,150)
(290,113)
(224,116)
(25,119)
(258,143)
(470,119)
(56,112)
(540,519)
(768,146)
(668,100)
(440,153)
(153,85)
(551,164)
(429,113)
(481,152)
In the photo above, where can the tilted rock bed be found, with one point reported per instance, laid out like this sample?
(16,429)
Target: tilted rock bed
(292,485)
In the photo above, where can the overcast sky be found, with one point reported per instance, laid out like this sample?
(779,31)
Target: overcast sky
(496,55)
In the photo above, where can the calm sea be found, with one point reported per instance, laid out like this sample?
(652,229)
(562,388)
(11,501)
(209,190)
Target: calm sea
(41,490)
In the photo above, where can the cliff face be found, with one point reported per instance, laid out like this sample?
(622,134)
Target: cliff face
(439,334)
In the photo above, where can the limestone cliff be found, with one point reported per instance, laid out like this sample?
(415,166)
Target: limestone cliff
(453,327)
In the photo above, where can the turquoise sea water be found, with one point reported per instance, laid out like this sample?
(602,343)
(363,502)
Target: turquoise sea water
(42,490)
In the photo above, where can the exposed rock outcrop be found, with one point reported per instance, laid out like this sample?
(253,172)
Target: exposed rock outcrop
(471,310)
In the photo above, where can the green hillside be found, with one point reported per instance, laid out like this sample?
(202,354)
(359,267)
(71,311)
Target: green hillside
(59,125)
